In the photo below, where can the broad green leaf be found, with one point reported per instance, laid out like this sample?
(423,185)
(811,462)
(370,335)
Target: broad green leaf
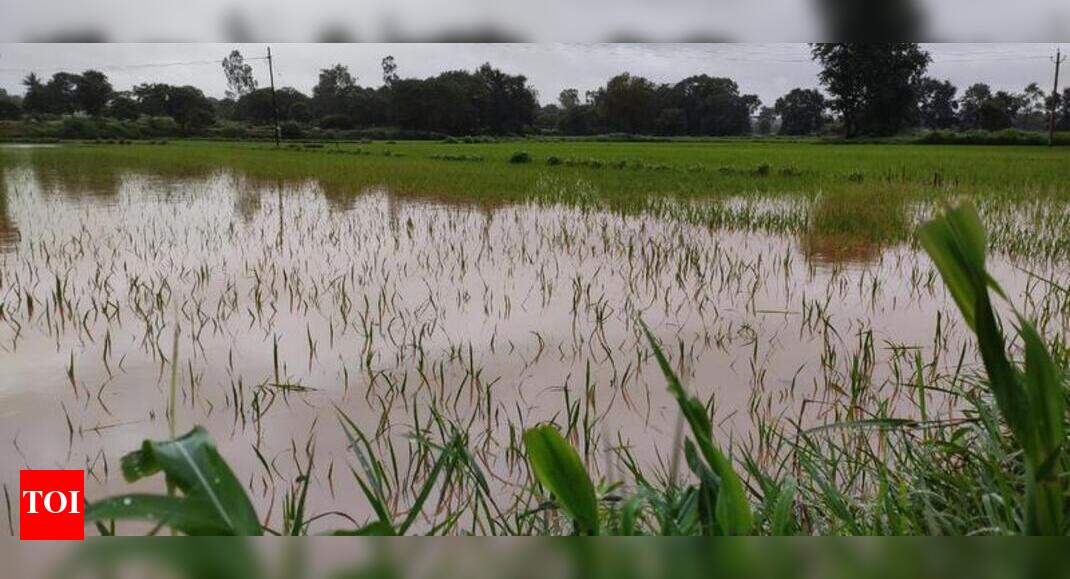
(956,244)
(1048,402)
(189,516)
(193,465)
(558,467)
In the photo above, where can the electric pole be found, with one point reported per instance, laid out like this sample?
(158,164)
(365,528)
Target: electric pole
(274,103)
(1059,59)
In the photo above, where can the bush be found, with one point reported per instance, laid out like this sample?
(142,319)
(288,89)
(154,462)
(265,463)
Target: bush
(341,122)
(292,130)
(232,131)
(158,126)
(1004,137)
(553,160)
(520,157)
(79,128)
(118,130)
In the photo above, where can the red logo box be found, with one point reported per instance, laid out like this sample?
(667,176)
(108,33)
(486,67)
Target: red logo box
(52,505)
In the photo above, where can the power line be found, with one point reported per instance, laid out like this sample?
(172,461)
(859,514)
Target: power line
(129,66)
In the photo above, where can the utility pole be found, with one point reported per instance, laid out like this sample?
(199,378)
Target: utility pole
(274,103)
(1059,59)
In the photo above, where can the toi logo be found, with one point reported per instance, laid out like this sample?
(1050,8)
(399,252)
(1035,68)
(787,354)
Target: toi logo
(51,505)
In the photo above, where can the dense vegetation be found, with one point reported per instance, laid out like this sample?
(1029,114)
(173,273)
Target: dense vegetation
(872,90)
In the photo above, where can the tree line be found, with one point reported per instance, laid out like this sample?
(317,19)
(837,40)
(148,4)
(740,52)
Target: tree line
(868,90)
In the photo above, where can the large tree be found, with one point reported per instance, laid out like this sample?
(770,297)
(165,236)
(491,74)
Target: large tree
(259,107)
(239,74)
(92,91)
(873,86)
(802,112)
(187,105)
(34,100)
(937,107)
(507,104)
(329,94)
(10,107)
(767,117)
(999,112)
(627,104)
(711,105)
(1062,107)
(970,105)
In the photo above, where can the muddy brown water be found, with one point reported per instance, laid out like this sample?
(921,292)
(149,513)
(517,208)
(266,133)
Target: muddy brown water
(499,317)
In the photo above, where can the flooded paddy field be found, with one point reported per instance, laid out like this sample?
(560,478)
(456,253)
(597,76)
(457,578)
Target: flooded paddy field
(363,300)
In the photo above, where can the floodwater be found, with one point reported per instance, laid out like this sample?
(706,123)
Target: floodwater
(288,301)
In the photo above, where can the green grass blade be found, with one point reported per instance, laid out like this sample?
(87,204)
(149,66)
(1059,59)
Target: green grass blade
(733,511)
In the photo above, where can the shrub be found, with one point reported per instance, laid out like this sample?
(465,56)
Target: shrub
(158,126)
(520,157)
(233,131)
(79,128)
(553,160)
(292,130)
(342,122)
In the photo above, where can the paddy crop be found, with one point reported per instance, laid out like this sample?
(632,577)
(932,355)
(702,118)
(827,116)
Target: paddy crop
(368,337)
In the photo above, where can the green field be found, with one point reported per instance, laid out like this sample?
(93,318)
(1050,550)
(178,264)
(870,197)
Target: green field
(618,170)
(875,192)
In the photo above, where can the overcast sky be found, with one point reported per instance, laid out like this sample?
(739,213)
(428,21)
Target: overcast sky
(768,70)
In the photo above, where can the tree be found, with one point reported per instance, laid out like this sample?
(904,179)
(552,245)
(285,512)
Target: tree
(569,98)
(240,79)
(873,86)
(257,106)
(711,105)
(328,96)
(59,94)
(34,100)
(390,71)
(1033,114)
(937,106)
(627,104)
(187,105)
(507,104)
(190,108)
(10,107)
(1062,105)
(999,111)
(92,91)
(123,106)
(970,105)
(802,112)
(767,120)
(981,109)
